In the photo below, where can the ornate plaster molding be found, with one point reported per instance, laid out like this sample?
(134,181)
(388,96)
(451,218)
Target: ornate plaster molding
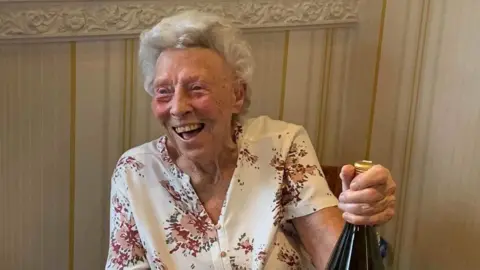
(72,20)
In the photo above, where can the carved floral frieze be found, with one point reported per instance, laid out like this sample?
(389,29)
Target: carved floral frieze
(103,18)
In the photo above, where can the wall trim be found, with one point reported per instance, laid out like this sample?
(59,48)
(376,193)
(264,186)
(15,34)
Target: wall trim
(73,20)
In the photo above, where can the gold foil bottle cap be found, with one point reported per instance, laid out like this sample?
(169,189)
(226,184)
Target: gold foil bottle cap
(363,166)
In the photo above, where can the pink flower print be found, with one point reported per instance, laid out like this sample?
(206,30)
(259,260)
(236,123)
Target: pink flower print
(158,263)
(289,257)
(247,158)
(262,257)
(127,236)
(188,223)
(127,163)
(293,174)
(190,232)
(175,195)
(117,206)
(245,244)
(125,244)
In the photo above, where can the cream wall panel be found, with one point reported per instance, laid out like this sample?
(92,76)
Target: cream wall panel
(101,89)
(315,85)
(330,136)
(330,86)
(446,142)
(35,156)
(394,120)
(267,87)
(306,66)
(360,83)
(432,133)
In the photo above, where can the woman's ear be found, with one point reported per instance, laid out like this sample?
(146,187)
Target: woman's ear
(239,96)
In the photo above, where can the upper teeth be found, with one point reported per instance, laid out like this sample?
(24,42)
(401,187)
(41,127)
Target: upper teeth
(187,128)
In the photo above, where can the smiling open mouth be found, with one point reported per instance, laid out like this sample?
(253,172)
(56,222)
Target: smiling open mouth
(187,132)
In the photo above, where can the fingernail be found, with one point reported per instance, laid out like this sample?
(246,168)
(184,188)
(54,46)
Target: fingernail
(365,207)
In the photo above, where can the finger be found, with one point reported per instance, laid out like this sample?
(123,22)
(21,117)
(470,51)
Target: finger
(376,219)
(376,176)
(347,174)
(366,209)
(369,195)
(391,187)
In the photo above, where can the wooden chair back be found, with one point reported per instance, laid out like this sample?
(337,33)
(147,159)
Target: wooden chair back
(332,175)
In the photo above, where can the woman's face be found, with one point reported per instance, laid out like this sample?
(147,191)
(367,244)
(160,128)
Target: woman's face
(195,97)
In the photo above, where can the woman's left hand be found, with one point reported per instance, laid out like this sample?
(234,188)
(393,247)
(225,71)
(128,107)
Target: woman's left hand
(369,198)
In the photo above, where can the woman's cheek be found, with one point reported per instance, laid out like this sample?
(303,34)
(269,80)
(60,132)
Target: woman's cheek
(159,109)
(208,105)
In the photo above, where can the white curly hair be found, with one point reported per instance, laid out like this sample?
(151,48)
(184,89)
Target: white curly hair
(197,29)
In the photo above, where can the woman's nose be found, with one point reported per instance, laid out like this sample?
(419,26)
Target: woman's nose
(180,104)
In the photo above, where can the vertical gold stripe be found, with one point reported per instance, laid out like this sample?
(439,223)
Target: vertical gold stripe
(284,74)
(132,87)
(73,96)
(124,96)
(414,95)
(323,92)
(375,80)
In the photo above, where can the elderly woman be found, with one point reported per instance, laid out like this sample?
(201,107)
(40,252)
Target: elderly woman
(219,191)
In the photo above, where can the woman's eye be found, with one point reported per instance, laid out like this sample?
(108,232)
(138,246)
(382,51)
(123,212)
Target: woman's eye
(197,87)
(162,91)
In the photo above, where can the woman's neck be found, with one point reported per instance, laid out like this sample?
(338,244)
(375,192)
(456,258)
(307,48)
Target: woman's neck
(213,166)
(211,169)
(207,168)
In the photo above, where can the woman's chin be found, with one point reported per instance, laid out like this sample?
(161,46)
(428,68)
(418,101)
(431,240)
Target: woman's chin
(200,148)
(197,154)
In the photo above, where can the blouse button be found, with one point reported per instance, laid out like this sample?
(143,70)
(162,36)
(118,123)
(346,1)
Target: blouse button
(223,254)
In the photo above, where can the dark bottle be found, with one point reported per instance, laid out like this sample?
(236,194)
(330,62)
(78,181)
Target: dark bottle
(357,248)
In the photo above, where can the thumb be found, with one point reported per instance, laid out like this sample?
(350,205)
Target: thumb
(347,174)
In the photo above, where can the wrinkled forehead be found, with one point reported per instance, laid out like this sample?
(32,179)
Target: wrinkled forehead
(193,59)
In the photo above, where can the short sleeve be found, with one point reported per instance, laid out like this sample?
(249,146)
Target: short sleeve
(306,188)
(125,247)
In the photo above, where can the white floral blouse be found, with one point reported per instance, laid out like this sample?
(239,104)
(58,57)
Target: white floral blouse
(158,222)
